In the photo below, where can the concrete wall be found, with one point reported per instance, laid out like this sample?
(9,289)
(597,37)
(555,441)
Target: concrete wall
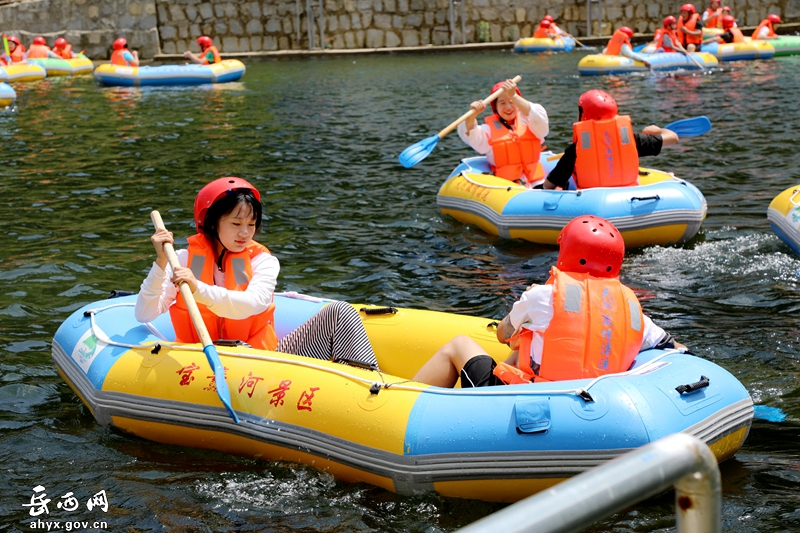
(171,26)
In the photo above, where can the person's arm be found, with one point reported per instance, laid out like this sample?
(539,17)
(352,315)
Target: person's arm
(242,304)
(535,116)
(668,137)
(157,291)
(476,137)
(560,175)
(627,51)
(191,57)
(656,338)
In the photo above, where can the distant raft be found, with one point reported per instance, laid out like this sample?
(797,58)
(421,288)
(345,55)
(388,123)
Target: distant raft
(537,44)
(740,51)
(21,72)
(600,64)
(786,45)
(115,75)
(64,67)
(662,210)
(784,217)
(7,95)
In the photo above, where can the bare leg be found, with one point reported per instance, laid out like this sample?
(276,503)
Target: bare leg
(444,368)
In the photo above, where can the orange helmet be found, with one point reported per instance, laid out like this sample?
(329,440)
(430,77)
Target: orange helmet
(669,21)
(591,245)
(60,43)
(120,43)
(215,190)
(204,41)
(627,31)
(688,8)
(727,22)
(596,105)
(775,19)
(39,40)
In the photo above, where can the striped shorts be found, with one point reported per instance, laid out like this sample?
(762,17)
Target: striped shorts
(335,333)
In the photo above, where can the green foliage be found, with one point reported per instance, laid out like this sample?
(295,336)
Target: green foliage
(483,34)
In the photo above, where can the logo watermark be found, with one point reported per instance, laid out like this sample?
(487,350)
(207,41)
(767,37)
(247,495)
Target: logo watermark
(40,504)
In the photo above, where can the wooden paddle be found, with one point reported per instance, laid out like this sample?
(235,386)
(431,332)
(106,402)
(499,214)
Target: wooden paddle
(208,345)
(419,151)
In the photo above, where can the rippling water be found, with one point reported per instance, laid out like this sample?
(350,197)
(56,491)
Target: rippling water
(82,166)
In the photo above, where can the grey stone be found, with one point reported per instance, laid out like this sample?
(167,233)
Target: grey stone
(366,19)
(244,44)
(255,12)
(183,30)
(389,6)
(382,21)
(402,6)
(206,11)
(338,42)
(235,27)
(349,40)
(355,20)
(344,22)
(175,12)
(191,13)
(273,25)
(410,38)
(220,28)
(219,11)
(169,48)
(256,43)
(254,27)
(392,40)
(414,20)
(332,24)
(375,38)
(167,32)
(230,44)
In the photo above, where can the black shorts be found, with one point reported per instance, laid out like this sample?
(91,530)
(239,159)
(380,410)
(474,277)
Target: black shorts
(478,373)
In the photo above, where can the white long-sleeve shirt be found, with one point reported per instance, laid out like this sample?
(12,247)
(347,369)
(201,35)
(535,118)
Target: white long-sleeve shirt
(534,310)
(478,137)
(158,292)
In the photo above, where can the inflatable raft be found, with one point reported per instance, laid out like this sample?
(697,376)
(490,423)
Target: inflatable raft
(494,443)
(662,210)
(598,64)
(7,95)
(65,67)
(784,217)
(740,51)
(786,45)
(226,71)
(19,72)
(535,44)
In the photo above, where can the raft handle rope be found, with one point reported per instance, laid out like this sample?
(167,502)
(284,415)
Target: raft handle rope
(793,196)
(379,310)
(504,187)
(508,390)
(691,387)
(645,198)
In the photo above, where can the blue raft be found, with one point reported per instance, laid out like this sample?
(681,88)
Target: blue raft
(115,75)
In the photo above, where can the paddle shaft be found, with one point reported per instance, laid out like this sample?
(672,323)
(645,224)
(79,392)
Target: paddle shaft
(491,98)
(5,45)
(186,291)
(696,62)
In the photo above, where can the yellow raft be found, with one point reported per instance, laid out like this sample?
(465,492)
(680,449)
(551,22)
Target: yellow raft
(784,217)
(20,72)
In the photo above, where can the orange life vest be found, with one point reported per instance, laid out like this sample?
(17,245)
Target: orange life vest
(738,36)
(685,38)
(605,153)
(660,43)
(764,23)
(258,330)
(614,46)
(516,152)
(541,33)
(214,51)
(18,55)
(118,58)
(714,19)
(597,328)
(38,51)
(65,52)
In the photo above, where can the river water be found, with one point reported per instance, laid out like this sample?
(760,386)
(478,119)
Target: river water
(82,166)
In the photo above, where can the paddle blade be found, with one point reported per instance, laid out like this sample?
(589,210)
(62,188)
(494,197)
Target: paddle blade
(690,127)
(219,379)
(770,414)
(417,152)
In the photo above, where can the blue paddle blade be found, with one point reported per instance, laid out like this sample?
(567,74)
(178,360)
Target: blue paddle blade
(639,47)
(770,414)
(219,378)
(690,127)
(417,152)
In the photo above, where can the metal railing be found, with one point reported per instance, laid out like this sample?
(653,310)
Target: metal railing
(678,460)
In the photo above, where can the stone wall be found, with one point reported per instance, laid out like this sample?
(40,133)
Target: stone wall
(171,26)
(89,25)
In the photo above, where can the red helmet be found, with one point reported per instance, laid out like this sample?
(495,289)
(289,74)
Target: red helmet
(120,43)
(728,22)
(596,105)
(688,7)
(548,17)
(627,31)
(60,43)
(216,190)
(669,21)
(14,39)
(591,245)
(775,19)
(545,23)
(726,8)
(39,40)
(204,41)
(496,86)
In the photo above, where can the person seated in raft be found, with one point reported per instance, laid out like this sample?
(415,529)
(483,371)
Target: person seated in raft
(555,330)
(712,16)
(554,28)
(39,49)
(15,50)
(587,158)
(63,49)
(209,53)
(766,30)
(511,137)
(732,34)
(690,28)
(233,280)
(544,30)
(666,38)
(620,45)
(122,56)
(726,10)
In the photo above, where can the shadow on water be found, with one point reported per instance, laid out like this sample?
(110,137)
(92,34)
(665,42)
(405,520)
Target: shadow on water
(81,167)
